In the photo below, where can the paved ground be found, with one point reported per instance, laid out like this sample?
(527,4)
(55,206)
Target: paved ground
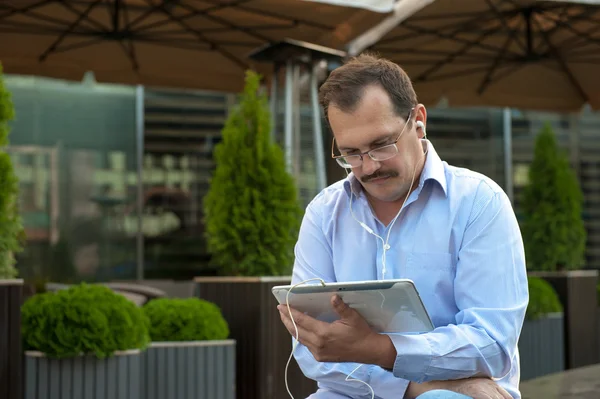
(581,383)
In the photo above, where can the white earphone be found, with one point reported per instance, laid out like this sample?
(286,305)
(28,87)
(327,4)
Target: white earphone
(421,125)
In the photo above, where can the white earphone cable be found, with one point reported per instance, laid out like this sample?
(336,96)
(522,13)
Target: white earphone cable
(385,244)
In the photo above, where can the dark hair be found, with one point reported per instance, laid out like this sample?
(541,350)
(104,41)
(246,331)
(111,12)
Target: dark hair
(345,85)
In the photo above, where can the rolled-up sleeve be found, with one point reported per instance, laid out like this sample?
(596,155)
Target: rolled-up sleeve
(491,294)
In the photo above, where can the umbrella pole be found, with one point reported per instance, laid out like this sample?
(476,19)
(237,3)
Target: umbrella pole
(139,121)
(317,129)
(274,104)
(508,158)
(287,141)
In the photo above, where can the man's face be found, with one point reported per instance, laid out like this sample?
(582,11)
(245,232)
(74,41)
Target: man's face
(373,124)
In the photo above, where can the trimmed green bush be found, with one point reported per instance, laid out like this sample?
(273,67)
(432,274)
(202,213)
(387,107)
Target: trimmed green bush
(190,319)
(542,299)
(252,212)
(84,319)
(553,231)
(11,228)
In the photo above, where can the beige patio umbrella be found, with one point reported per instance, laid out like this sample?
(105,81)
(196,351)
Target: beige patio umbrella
(201,44)
(517,53)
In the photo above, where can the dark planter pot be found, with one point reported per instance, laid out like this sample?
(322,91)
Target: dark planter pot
(598,330)
(541,346)
(11,370)
(189,370)
(263,343)
(577,292)
(83,377)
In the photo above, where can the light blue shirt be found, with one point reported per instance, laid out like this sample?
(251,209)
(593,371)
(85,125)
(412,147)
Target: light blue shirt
(458,239)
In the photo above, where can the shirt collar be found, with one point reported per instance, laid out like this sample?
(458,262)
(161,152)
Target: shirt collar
(433,170)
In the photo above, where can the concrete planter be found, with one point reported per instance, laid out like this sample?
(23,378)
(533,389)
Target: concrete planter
(189,370)
(11,379)
(263,342)
(83,377)
(577,292)
(541,346)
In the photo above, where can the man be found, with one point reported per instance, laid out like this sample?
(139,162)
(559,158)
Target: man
(403,213)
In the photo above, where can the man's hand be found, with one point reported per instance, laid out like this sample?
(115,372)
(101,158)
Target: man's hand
(349,339)
(476,388)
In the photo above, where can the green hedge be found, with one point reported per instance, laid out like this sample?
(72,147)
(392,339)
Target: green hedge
(12,234)
(542,299)
(554,234)
(84,319)
(190,319)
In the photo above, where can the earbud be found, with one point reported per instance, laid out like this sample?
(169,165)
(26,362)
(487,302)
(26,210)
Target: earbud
(421,125)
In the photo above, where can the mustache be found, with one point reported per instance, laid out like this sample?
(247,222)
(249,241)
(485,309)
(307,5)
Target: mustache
(378,175)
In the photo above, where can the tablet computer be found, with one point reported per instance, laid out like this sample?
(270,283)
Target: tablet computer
(389,306)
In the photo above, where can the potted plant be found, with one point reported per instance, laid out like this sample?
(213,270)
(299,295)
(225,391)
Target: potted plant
(11,235)
(84,341)
(554,236)
(541,344)
(190,356)
(252,217)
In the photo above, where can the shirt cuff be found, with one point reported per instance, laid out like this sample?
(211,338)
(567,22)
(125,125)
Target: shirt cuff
(414,356)
(385,384)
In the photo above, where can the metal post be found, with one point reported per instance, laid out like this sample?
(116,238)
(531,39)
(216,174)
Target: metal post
(508,158)
(296,143)
(139,146)
(287,142)
(274,105)
(317,130)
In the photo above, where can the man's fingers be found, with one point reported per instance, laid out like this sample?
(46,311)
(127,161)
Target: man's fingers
(306,326)
(504,393)
(342,309)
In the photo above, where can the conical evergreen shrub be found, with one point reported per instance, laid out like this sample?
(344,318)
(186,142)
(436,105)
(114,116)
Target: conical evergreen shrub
(553,231)
(11,229)
(252,213)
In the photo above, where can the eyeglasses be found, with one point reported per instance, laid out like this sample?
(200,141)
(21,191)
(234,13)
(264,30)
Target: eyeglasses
(378,154)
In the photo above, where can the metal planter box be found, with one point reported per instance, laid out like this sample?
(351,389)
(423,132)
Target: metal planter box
(263,342)
(577,292)
(11,381)
(541,346)
(189,370)
(83,377)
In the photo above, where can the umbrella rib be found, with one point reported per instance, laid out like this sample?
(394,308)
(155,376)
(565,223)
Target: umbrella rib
(563,64)
(86,17)
(200,36)
(129,51)
(64,34)
(505,24)
(462,26)
(24,10)
(458,73)
(441,35)
(227,23)
(513,68)
(276,15)
(75,46)
(489,75)
(579,34)
(424,75)
(182,18)
(588,12)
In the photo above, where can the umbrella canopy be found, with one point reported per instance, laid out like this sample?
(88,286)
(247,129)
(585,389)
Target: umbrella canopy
(526,54)
(178,43)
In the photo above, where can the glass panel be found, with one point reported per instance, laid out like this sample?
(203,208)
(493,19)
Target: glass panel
(74,147)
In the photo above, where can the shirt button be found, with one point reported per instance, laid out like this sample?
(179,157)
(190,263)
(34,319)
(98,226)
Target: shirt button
(386,247)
